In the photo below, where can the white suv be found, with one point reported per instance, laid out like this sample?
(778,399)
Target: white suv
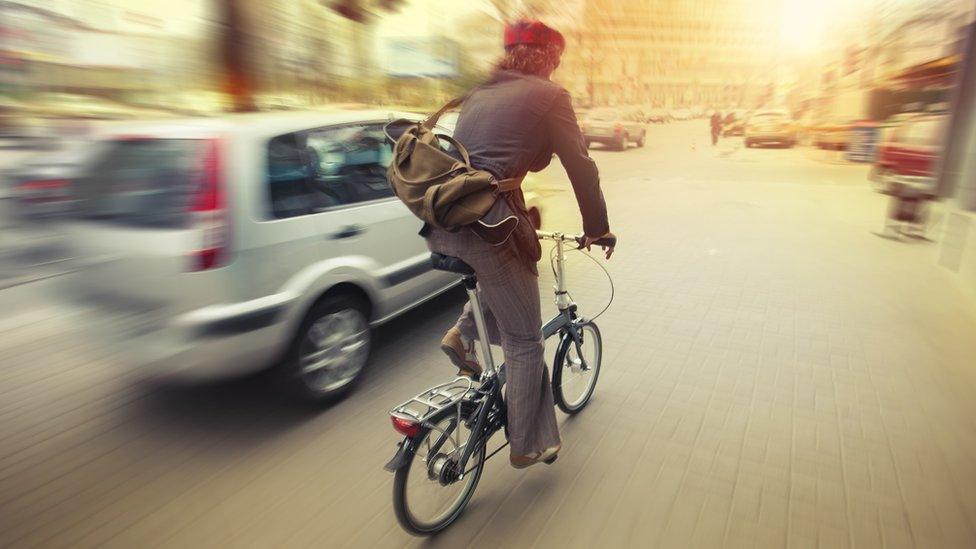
(226,246)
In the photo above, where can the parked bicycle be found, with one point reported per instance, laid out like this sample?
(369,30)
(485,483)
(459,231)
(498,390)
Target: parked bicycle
(446,428)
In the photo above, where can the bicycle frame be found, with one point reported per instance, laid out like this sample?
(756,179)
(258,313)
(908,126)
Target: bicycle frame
(492,378)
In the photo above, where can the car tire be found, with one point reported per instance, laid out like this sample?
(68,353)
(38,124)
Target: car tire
(621,144)
(337,326)
(642,140)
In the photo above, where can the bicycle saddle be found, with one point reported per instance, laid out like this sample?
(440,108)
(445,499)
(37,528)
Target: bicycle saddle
(450,264)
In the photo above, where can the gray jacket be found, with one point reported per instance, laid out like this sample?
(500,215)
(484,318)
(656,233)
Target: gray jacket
(514,123)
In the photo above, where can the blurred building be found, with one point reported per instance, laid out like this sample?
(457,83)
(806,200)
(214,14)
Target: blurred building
(674,53)
(302,48)
(112,49)
(887,57)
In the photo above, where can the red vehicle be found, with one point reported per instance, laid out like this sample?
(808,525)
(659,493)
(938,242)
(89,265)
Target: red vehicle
(912,150)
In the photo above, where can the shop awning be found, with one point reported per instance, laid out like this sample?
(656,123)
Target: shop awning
(936,73)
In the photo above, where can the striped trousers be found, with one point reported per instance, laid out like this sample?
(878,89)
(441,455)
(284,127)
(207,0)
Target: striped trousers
(508,290)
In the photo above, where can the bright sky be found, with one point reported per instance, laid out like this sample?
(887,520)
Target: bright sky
(429,17)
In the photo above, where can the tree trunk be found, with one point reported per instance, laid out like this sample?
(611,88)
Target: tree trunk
(237,80)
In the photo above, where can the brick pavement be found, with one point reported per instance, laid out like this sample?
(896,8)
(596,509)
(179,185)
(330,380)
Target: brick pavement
(775,375)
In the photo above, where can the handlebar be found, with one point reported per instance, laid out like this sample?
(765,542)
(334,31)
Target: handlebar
(575,238)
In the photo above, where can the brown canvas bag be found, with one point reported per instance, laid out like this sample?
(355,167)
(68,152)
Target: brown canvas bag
(446,192)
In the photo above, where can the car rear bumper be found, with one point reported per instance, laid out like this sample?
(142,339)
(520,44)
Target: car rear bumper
(603,138)
(215,342)
(770,137)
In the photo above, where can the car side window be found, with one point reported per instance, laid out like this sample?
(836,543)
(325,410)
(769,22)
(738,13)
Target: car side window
(350,162)
(315,170)
(289,179)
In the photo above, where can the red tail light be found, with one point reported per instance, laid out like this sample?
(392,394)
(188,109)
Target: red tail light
(208,213)
(43,184)
(619,128)
(405,427)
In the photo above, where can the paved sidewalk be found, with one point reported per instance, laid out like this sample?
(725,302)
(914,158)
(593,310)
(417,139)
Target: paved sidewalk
(775,375)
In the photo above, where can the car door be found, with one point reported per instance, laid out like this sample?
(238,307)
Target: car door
(367,224)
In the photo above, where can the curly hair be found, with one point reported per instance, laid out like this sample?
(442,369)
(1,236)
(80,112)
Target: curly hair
(530,59)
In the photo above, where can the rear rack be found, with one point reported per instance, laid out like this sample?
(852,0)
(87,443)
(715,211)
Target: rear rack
(421,407)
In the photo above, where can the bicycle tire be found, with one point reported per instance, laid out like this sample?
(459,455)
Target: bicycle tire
(405,517)
(566,345)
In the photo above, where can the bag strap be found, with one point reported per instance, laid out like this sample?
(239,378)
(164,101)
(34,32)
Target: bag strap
(431,120)
(460,148)
(508,185)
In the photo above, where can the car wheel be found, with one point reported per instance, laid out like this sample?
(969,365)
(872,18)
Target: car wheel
(642,140)
(621,144)
(330,349)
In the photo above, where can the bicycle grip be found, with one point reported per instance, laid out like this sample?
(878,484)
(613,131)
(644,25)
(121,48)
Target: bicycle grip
(610,241)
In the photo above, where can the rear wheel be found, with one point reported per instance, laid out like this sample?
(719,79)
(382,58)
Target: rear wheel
(576,370)
(330,349)
(427,493)
(621,144)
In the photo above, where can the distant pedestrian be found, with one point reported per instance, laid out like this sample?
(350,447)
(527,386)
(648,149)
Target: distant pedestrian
(716,122)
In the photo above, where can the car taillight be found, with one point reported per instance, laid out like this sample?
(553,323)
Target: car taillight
(208,214)
(43,184)
(405,427)
(619,128)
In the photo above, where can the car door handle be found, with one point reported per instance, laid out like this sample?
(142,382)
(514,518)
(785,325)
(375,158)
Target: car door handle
(348,232)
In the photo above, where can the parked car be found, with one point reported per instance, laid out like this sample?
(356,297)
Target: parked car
(614,127)
(734,123)
(225,246)
(833,134)
(912,149)
(657,116)
(681,114)
(770,126)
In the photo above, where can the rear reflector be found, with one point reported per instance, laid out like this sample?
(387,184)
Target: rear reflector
(405,427)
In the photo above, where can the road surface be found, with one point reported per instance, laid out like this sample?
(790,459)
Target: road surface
(775,375)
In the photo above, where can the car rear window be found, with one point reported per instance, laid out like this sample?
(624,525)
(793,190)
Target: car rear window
(769,116)
(141,183)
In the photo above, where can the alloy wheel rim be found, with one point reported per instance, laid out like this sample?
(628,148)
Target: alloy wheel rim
(334,350)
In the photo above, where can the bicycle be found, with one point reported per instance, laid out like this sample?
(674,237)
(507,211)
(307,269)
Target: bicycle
(446,428)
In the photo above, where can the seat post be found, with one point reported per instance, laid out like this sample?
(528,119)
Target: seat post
(471,286)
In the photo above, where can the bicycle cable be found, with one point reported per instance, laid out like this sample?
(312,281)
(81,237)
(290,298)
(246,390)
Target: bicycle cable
(552,265)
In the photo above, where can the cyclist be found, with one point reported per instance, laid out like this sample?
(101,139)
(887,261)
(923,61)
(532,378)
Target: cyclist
(513,124)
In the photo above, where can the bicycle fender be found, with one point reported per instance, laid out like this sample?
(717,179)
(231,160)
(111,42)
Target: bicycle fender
(401,457)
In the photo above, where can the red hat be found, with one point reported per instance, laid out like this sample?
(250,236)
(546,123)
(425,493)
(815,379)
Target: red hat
(534,33)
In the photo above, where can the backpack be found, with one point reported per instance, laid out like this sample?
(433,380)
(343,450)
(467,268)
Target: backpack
(444,191)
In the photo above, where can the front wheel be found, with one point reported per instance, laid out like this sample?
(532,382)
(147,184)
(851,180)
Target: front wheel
(427,493)
(577,367)
(330,350)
